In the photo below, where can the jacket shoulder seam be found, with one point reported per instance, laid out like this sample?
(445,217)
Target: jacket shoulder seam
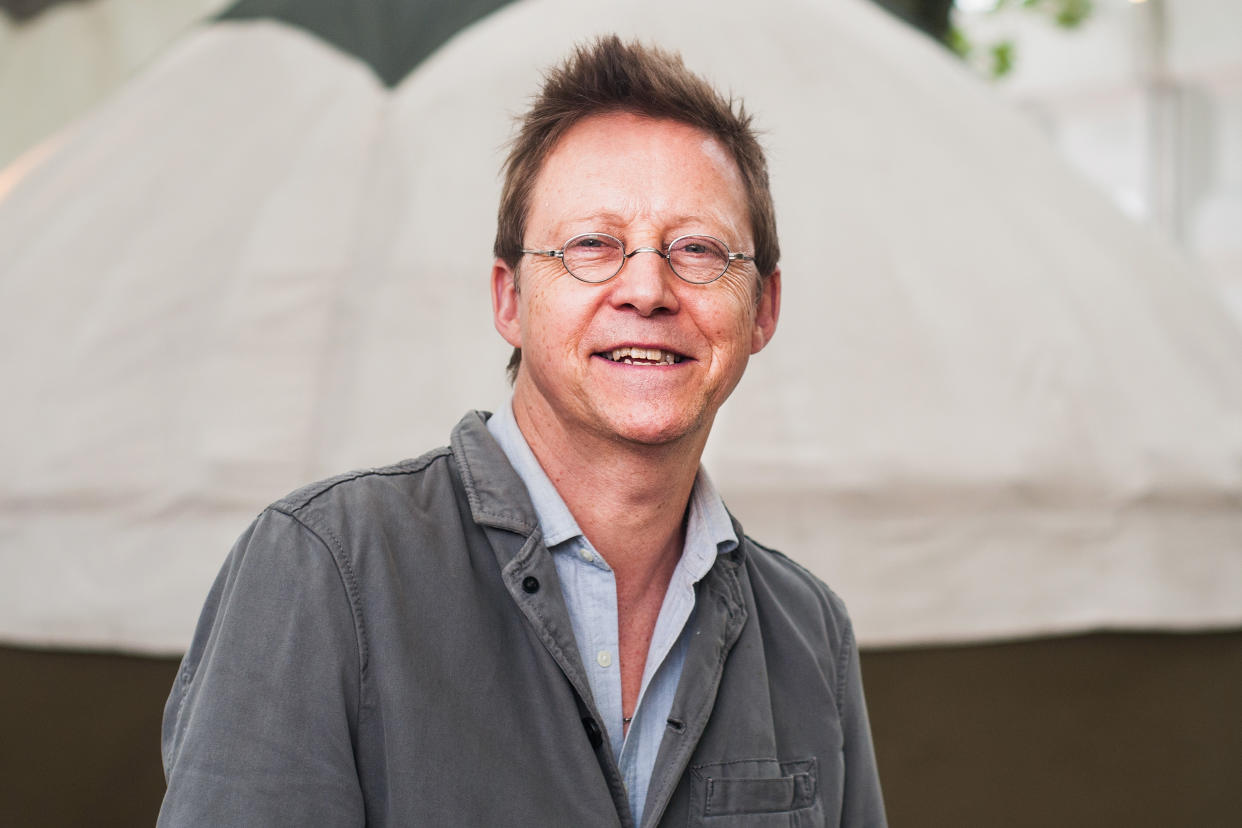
(345,571)
(302,498)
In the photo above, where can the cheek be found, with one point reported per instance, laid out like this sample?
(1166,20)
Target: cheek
(741,290)
(731,316)
(553,321)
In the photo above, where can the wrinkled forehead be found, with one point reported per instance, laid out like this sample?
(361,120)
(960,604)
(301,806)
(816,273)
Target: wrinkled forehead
(631,168)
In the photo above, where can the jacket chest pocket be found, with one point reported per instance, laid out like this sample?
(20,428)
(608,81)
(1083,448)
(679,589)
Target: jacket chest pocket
(756,793)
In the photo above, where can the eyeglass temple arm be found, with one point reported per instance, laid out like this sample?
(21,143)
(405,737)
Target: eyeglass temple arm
(733,257)
(560,254)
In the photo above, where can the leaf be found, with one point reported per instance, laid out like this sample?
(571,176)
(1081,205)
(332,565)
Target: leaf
(1002,54)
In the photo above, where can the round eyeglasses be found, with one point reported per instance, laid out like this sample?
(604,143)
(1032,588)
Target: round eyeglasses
(597,257)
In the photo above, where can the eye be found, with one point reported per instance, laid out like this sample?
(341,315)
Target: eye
(699,259)
(593,257)
(699,247)
(592,244)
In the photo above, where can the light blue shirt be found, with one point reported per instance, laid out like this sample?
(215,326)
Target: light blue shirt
(590,590)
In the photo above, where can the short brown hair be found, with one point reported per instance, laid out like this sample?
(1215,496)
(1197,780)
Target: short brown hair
(611,76)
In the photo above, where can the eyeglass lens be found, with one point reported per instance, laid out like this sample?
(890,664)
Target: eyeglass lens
(597,257)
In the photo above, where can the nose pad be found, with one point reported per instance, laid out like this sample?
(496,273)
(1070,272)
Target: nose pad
(654,250)
(638,250)
(648,292)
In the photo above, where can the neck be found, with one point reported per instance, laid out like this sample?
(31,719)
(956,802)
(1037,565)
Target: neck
(629,499)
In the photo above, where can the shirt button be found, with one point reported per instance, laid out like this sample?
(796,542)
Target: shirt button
(603,658)
(585,554)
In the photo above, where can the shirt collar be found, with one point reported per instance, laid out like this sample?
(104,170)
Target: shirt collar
(709,530)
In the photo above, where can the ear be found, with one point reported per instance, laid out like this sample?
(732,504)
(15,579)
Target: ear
(768,311)
(505,313)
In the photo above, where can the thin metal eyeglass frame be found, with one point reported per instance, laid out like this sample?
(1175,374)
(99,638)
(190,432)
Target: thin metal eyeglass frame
(730,256)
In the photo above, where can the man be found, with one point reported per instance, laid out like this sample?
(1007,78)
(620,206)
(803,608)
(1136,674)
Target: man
(553,621)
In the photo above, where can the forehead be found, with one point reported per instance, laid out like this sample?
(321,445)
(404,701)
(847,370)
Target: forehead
(623,169)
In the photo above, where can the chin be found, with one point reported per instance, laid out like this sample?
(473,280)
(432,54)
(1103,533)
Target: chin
(659,431)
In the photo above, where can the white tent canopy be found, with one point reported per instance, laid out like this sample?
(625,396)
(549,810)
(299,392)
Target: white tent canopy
(993,406)
(63,60)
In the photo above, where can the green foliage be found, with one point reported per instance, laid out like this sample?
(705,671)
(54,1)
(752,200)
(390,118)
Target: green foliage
(997,59)
(1065,13)
(1002,58)
(959,43)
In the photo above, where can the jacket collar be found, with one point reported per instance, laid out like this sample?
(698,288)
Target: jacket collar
(496,494)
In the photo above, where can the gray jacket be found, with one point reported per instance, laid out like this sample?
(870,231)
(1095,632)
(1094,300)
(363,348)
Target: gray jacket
(391,648)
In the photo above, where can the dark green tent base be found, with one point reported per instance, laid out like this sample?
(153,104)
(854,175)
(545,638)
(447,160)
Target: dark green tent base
(1095,730)
(390,36)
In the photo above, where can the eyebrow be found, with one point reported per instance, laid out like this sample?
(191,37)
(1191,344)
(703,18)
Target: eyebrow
(609,219)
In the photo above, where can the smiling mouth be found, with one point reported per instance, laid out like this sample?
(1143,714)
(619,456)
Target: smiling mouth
(642,356)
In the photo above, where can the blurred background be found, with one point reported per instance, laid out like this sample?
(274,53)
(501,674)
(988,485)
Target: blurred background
(245,245)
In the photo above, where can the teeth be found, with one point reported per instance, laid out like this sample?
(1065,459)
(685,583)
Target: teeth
(628,355)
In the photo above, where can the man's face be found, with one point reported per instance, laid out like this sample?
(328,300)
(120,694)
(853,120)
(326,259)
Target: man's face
(645,182)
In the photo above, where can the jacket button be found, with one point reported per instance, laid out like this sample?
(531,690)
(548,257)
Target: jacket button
(530,583)
(593,732)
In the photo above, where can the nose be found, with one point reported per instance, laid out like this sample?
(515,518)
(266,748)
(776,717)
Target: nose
(646,283)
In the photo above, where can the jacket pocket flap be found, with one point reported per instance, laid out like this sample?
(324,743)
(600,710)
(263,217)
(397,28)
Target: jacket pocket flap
(727,792)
